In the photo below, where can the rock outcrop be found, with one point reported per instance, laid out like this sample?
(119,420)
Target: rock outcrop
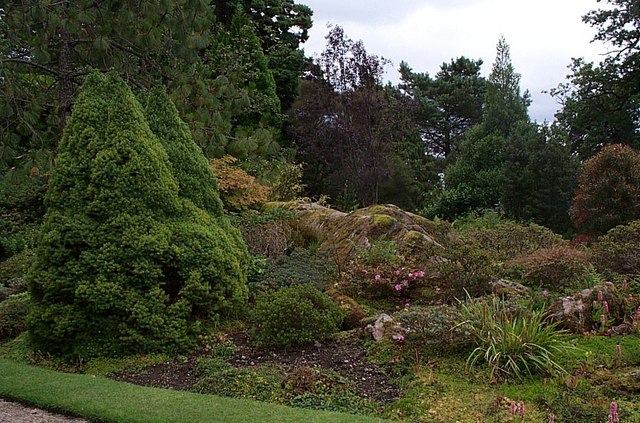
(343,234)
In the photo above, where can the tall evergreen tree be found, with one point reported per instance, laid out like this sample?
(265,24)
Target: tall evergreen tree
(447,105)
(124,265)
(475,180)
(540,177)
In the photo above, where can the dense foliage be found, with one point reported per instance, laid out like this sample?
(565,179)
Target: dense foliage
(293,316)
(124,264)
(608,190)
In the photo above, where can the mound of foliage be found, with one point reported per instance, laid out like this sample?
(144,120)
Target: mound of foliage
(126,264)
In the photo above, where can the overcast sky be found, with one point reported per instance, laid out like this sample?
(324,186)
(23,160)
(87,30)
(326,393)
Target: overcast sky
(543,36)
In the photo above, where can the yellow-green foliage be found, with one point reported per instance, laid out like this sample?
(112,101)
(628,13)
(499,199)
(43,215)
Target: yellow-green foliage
(196,181)
(239,190)
(125,264)
(294,316)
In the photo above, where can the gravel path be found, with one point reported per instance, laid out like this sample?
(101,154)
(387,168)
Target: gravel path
(11,412)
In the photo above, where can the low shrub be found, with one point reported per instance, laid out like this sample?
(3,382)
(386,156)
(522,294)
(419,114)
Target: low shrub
(217,377)
(434,328)
(354,313)
(300,267)
(508,240)
(514,343)
(12,273)
(619,250)
(13,315)
(464,269)
(393,282)
(556,267)
(293,316)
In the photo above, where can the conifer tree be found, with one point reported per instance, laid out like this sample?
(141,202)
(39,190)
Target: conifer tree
(125,265)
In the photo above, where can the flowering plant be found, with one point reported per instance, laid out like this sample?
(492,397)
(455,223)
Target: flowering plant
(389,281)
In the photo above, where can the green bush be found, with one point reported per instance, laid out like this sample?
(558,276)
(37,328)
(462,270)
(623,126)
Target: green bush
(216,377)
(125,264)
(21,212)
(297,268)
(13,315)
(13,273)
(556,267)
(466,269)
(619,250)
(434,328)
(513,342)
(509,240)
(293,316)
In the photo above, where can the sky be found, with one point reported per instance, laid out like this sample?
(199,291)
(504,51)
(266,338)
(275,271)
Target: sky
(543,36)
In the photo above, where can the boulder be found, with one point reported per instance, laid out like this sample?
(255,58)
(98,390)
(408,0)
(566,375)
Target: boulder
(506,287)
(575,312)
(385,327)
(342,234)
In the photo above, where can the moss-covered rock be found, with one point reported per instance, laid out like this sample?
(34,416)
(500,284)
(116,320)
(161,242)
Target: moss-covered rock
(343,234)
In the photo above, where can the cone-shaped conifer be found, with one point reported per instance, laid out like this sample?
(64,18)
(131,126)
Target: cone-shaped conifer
(113,272)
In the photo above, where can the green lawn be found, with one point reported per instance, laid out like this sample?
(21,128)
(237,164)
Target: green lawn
(102,399)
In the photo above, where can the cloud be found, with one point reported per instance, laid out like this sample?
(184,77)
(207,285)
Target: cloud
(543,36)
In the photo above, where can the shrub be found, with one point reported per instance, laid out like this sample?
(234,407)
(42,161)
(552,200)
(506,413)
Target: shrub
(464,269)
(21,212)
(125,265)
(509,240)
(434,328)
(288,184)
(554,267)
(217,377)
(196,181)
(267,234)
(608,192)
(12,273)
(13,315)
(239,190)
(298,268)
(293,316)
(513,343)
(619,250)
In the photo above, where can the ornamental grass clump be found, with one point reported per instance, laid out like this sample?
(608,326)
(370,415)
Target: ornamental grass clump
(512,343)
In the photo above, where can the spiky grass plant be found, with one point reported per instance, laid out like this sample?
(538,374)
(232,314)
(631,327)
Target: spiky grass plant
(514,343)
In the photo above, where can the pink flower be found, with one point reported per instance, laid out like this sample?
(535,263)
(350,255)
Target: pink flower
(410,275)
(638,313)
(365,271)
(398,287)
(625,284)
(521,409)
(613,413)
(397,272)
(377,277)
(545,293)
(605,305)
(421,274)
(407,304)
(552,418)
(514,407)
(398,338)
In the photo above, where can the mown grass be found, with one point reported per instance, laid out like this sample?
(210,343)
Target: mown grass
(101,399)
